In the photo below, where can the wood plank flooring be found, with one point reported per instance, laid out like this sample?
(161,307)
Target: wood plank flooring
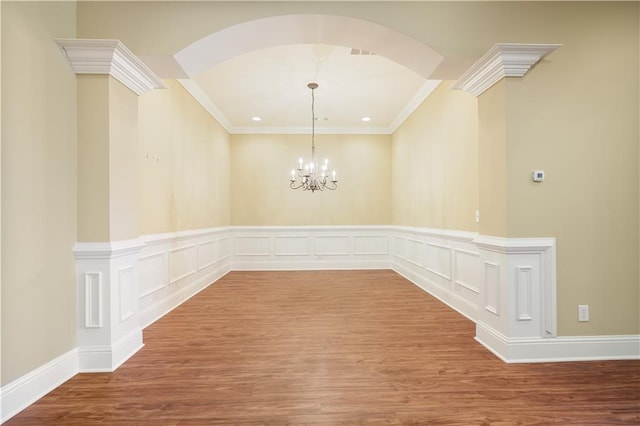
(332,348)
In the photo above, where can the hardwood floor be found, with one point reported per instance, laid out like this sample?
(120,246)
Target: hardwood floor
(332,348)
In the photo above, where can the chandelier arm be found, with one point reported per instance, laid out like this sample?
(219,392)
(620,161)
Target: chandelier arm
(293,185)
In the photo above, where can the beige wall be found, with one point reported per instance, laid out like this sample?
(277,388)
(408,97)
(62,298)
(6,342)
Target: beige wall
(184,160)
(93,155)
(38,187)
(107,160)
(573,118)
(260,171)
(492,137)
(435,163)
(123,162)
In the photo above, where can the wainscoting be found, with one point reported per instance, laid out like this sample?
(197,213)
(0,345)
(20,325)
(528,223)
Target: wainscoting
(444,263)
(174,267)
(331,348)
(506,286)
(294,248)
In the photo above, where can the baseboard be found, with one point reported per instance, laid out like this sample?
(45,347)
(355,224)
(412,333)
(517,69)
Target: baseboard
(309,265)
(166,305)
(456,303)
(22,392)
(446,264)
(106,359)
(559,349)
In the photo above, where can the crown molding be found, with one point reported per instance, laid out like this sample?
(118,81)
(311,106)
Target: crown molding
(203,99)
(502,60)
(425,91)
(105,56)
(307,131)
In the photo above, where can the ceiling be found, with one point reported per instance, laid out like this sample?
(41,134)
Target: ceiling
(271,83)
(261,69)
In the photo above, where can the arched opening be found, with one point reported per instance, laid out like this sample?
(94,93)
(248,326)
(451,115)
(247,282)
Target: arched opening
(315,29)
(267,63)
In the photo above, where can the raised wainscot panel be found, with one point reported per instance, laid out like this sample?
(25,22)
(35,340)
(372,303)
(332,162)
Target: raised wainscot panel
(524,289)
(126,279)
(182,263)
(492,287)
(400,247)
(93,299)
(252,246)
(466,270)
(370,245)
(415,252)
(206,254)
(438,260)
(331,245)
(224,248)
(298,245)
(153,272)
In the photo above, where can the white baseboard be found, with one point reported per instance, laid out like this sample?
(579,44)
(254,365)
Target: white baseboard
(458,304)
(559,349)
(450,265)
(309,265)
(106,359)
(22,392)
(159,309)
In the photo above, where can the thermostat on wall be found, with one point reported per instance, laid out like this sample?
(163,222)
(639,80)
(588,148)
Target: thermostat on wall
(538,176)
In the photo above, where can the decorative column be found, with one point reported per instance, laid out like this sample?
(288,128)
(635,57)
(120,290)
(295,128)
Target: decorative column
(517,309)
(110,79)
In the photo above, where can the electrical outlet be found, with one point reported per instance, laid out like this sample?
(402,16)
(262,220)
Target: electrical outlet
(583,313)
(477,216)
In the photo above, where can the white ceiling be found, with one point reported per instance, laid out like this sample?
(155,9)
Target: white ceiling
(261,69)
(272,83)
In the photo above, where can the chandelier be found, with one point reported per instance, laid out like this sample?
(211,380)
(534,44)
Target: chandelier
(309,176)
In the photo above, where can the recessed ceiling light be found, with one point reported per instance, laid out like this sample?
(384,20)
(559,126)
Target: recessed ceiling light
(366,118)
(256,118)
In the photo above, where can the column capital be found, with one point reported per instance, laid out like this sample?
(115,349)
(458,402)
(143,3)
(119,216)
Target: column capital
(107,56)
(502,60)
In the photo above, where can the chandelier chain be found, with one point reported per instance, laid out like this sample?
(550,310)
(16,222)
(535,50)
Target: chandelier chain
(313,125)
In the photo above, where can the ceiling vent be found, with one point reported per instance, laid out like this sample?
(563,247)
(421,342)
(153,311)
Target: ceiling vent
(359,52)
